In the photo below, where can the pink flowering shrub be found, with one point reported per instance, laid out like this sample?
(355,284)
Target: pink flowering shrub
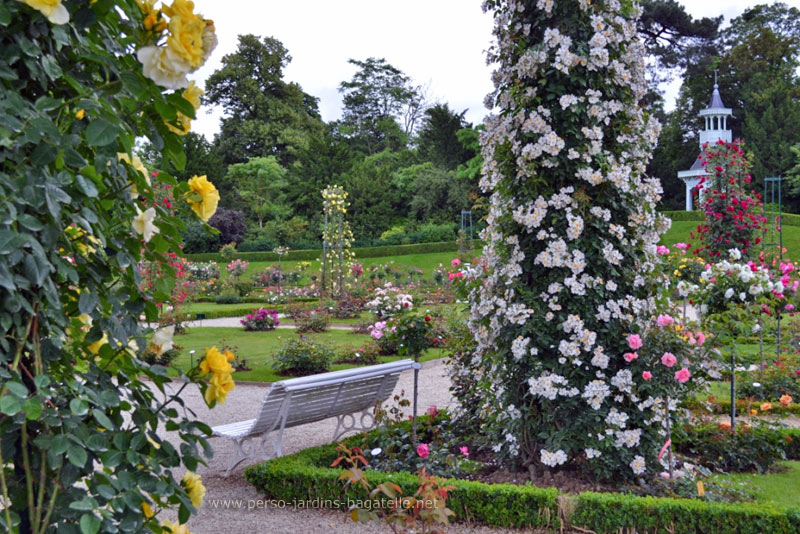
(261,320)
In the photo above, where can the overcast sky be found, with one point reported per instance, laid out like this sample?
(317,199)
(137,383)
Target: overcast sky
(438,43)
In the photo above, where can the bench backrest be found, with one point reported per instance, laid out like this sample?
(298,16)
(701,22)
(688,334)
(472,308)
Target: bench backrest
(312,398)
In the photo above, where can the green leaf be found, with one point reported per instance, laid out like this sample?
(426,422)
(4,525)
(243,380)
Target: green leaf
(90,524)
(73,158)
(87,504)
(103,419)
(184,513)
(59,444)
(76,455)
(87,186)
(10,241)
(17,389)
(5,16)
(87,302)
(51,67)
(55,196)
(131,82)
(31,223)
(100,132)
(44,154)
(79,407)
(33,408)
(45,103)
(10,405)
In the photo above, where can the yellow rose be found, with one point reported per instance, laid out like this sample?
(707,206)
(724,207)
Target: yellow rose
(192,95)
(148,512)
(80,114)
(175,527)
(206,205)
(180,8)
(94,348)
(215,362)
(218,388)
(194,488)
(186,38)
(52,9)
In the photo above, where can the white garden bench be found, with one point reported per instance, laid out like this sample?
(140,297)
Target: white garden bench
(298,401)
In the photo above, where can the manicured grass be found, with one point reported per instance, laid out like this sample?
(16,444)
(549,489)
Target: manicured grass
(781,489)
(426,262)
(258,347)
(680,230)
(220,310)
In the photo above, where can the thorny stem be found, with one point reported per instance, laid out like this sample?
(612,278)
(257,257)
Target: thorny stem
(4,486)
(28,475)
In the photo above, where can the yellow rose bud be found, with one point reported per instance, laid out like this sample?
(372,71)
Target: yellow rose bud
(80,114)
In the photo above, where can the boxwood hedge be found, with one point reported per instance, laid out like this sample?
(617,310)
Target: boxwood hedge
(305,476)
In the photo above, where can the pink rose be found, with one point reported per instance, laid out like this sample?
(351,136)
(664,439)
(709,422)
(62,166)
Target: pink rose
(647,375)
(422,450)
(681,246)
(464,450)
(455,262)
(432,411)
(634,341)
(701,338)
(669,359)
(683,375)
(662,250)
(665,320)
(630,356)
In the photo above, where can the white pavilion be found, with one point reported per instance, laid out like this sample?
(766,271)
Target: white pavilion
(716,128)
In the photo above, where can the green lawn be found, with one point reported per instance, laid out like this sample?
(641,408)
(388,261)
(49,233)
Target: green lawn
(679,232)
(258,347)
(781,489)
(426,262)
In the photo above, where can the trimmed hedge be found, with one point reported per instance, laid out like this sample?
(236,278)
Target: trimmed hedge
(723,406)
(611,513)
(311,255)
(298,477)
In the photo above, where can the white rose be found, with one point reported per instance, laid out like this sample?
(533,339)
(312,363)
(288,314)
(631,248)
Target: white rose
(143,223)
(729,293)
(164,67)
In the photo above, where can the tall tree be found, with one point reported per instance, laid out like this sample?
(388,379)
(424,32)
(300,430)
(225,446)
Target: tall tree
(261,184)
(264,115)
(438,141)
(381,106)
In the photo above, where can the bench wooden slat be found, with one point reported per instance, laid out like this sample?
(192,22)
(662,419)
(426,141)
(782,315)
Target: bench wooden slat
(313,398)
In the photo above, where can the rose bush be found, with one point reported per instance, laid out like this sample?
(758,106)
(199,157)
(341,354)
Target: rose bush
(79,83)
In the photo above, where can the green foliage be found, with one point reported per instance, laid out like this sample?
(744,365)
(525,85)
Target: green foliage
(264,115)
(196,240)
(780,377)
(229,296)
(299,356)
(438,140)
(305,475)
(749,448)
(376,96)
(80,450)
(610,513)
(261,184)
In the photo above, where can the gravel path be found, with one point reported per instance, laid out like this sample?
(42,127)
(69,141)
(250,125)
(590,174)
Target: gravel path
(233,505)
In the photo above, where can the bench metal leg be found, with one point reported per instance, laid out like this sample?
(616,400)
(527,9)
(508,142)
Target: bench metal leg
(247,447)
(346,423)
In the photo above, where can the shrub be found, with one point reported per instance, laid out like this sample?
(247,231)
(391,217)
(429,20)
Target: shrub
(369,354)
(236,268)
(196,240)
(347,307)
(230,224)
(229,296)
(164,359)
(203,270)
(312,321)
(301,357)
(748,448)
(432,233)
(261,320)
(780,377)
